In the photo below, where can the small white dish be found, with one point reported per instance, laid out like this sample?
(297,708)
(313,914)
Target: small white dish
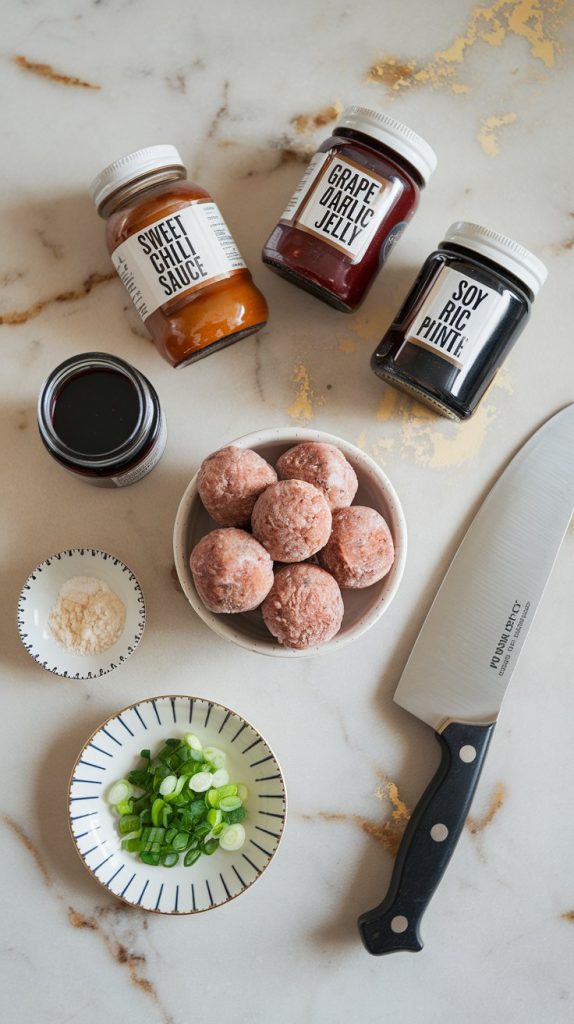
(40,592)
(362,607)
(113,751)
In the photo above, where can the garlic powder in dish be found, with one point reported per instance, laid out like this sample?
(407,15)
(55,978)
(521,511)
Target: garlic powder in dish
(88,616)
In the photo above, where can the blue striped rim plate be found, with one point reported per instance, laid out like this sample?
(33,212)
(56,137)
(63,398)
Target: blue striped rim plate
(39,594)
(113,750)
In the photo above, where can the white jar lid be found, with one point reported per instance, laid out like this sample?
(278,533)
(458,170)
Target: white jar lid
(394,134)
(131,167)
(502,250)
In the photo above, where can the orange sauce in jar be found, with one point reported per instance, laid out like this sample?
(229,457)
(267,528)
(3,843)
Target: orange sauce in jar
(176,256)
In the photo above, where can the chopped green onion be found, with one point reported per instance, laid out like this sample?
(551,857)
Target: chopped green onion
(220,778)
(120,791)
(230,790)
(193,742)
(191,857)
(156,810)
(232,838)
(242,792)
(184,804)
(150,858)
(180,841)
(201,782)
(215,756)
(128,822)
(169,859)
(230,803)
(168,784)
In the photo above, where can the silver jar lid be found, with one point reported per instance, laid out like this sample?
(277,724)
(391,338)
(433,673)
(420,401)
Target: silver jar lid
(502,250)
(131,167)
(393,134)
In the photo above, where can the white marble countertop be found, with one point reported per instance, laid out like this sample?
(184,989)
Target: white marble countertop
(241,89)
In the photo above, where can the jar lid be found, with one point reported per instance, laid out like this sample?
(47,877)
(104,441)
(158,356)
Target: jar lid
(394,134)
(502,250)
(131,167)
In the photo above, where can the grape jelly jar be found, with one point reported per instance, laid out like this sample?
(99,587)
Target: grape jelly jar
(463,314)
(100,418)
(354,201)
(176,256)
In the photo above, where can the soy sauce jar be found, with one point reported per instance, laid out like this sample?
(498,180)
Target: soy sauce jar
(462,316)
(101,420)
(353,203)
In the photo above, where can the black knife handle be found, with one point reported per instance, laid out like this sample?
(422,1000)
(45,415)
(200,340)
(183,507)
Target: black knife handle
(429,841)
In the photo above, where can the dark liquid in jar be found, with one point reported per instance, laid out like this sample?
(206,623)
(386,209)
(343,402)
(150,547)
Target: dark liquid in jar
(96,412)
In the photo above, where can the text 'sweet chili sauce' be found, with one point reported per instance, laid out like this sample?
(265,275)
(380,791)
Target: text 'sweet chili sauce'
(354,201)
(463,314)
(176,256)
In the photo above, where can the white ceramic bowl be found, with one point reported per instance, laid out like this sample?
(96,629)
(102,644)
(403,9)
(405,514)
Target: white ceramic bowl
(39,594)
(111,753)
(362,607)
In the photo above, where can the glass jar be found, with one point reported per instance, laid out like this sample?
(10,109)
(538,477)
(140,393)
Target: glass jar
(100,418)
(354,201)
(176,256)
(463,314)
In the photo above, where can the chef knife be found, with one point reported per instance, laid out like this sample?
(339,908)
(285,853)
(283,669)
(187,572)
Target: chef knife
(465,656)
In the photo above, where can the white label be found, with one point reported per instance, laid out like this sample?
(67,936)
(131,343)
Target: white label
(313,167)
(175,255)
(455,317)
(131,476)
(342,203)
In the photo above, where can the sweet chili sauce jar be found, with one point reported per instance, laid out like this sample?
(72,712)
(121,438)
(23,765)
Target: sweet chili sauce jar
(354,201)
(463,314)
(175,256)
(101,419)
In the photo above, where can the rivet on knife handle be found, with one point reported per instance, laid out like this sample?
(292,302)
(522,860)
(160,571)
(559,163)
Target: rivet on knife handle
(429,841)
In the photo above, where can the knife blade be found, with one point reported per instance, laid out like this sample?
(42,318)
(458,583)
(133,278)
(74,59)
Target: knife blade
(464,657)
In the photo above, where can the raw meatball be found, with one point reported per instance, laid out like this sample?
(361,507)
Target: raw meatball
(232,572)
(324,466)
(229,483)
(360,550)
(292,519)
(304,607)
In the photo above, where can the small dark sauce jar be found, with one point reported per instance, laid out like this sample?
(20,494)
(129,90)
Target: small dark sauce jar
(462,316)
(100,418)
(357,195)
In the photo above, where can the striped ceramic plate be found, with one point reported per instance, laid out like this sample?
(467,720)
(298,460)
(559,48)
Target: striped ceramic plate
(113,750)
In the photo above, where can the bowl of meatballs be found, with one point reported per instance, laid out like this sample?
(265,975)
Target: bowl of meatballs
(290,542)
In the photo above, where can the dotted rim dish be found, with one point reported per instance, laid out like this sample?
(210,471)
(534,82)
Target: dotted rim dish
(112,750)
(38,596)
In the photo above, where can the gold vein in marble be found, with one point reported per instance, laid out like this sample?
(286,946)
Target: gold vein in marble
(347,345)
(302,407)
(535,21)
(22,316)
(120,953)
(27,843)
(388,833)
(489,130)
(47,71)
(304,123)
(497,798)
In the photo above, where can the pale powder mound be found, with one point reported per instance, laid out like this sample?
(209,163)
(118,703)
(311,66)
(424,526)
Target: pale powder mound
(87,617)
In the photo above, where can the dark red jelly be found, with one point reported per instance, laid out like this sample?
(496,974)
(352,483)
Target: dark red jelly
(354,201)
